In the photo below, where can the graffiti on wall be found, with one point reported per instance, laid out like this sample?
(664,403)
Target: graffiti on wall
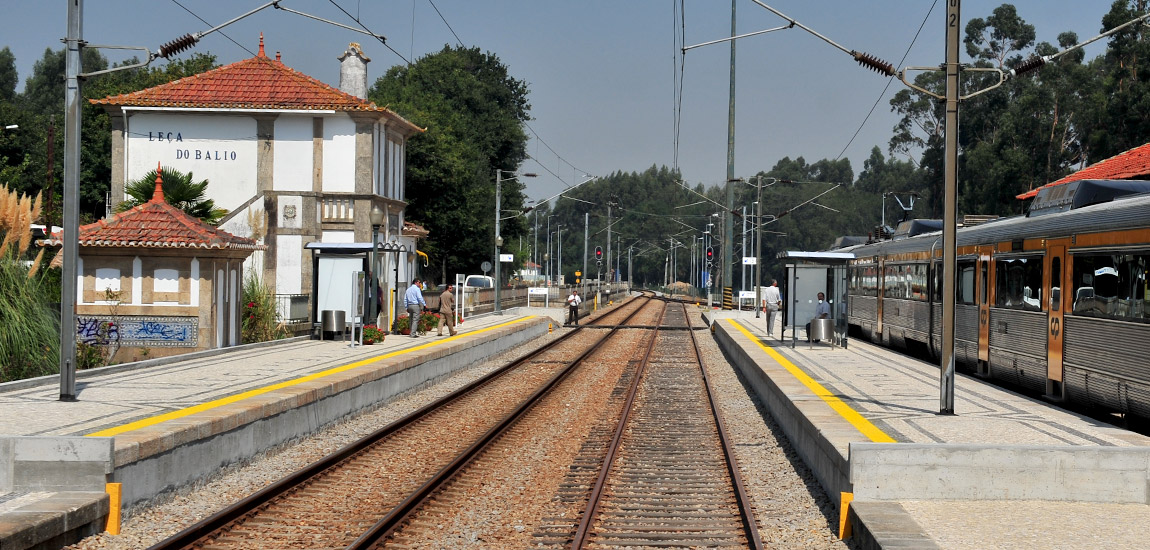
(136,330)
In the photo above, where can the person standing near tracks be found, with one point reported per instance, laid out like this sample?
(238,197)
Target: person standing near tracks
(413,302)
(773,302)
(447,310)
(573,302)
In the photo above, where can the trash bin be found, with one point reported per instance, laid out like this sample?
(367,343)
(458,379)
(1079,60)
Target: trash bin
(822,329)
(332,321)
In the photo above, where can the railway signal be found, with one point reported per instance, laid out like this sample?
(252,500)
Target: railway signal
(710,256)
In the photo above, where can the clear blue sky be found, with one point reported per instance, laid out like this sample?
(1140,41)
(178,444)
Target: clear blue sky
(601,73)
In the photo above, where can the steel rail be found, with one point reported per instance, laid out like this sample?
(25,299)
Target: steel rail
(584,529)
(391,522)
(250,505)
(744,501)
(746,515)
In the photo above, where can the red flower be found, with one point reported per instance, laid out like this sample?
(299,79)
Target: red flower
(251,304)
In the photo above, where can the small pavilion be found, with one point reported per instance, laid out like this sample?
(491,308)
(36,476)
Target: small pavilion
(166,281)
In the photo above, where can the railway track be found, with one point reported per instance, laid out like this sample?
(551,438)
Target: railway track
(334,501)
(668,477)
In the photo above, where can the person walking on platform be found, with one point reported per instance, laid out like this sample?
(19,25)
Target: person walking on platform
(573,302)
(447,310)
(773,302)
(414,304)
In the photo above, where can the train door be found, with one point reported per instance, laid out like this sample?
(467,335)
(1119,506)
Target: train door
(1054,273)
(984,284)
(880,277)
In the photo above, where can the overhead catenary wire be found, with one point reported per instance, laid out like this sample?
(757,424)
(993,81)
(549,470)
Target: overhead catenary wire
(381,39)
(888,81)
(175,46)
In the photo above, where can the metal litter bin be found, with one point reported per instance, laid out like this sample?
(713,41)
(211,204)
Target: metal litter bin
(822,329)
(333,321)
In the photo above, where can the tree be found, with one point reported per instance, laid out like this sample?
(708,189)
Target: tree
(180,190)
(474,113)
(8,76)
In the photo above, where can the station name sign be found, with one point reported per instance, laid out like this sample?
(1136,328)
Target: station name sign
(189,153)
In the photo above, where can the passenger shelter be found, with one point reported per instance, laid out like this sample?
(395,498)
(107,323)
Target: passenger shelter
(809,273)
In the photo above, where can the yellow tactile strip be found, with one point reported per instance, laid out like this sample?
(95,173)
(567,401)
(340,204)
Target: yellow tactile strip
(157,434)
(852,416)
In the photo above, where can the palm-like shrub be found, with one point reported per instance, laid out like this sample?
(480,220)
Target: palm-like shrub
(180,190)
(29,338)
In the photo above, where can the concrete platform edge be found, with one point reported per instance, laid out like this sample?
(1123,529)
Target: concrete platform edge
(881,525)
(54,522)
(287,418)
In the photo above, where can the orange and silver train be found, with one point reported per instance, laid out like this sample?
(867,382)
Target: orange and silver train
(1056,301)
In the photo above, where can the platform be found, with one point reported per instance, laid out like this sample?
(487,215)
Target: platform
(1005,468)
(156,425)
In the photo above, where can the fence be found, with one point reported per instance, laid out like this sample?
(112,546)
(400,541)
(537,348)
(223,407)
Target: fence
(292,308)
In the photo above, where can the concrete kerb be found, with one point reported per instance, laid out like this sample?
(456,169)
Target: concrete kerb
(73,469)
(793,407)
(919,471)
(160,462)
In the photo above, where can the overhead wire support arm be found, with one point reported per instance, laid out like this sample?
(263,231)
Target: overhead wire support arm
(730,38)
(170,48)
(380,37)
(863,58)
(1037,61)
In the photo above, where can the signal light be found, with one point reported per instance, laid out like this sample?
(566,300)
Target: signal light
(598,253)
(710,254)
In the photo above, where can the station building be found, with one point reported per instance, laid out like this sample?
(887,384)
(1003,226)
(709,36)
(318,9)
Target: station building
(296,162)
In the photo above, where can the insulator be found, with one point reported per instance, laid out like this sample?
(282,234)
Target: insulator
(1034,62)
(868,60)
(176,46)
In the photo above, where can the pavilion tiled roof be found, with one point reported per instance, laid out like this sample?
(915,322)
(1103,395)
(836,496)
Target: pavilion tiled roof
(254,83)
(156,224)
(1131,164)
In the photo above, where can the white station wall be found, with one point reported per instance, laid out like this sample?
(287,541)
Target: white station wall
(220,149)
(339,154)
(293,154)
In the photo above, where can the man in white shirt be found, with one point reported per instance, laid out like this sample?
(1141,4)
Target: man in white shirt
(773,302)
(573,302)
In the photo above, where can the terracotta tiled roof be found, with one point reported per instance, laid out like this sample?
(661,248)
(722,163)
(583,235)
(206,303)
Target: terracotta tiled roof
(156,224)
(1130,164)
(411,229)
(255,83)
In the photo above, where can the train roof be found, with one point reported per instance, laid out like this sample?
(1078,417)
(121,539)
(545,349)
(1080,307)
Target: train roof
(1081,193)
(1123,212)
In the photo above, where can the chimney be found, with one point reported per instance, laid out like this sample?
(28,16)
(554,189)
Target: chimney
(353,71)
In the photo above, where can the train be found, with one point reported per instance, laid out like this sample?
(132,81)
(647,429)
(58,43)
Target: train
(1056,301)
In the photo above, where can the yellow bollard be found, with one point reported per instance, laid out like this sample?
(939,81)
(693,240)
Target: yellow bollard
(550,327)
(114,491)
(844,517)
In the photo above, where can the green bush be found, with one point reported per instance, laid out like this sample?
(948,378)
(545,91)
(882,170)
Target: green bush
(259,315)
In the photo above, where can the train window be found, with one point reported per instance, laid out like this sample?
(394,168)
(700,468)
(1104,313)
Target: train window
(965,280)
(1112,286)
(1018,283)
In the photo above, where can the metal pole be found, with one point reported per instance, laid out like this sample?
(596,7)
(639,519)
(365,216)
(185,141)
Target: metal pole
(609,237)
(71,241)
(586,226)
(535,248)
(759,249)
(371,307)
(559,260)
(498,192)
(949,224)
(728,223)
(744,253)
